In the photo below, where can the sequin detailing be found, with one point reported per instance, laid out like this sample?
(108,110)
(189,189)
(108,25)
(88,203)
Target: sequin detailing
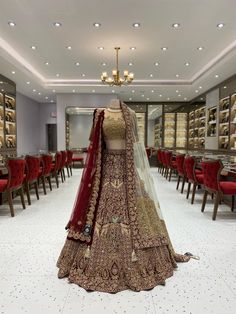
(114,128)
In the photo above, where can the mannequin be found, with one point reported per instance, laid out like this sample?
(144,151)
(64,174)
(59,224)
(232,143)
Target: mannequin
(114,113)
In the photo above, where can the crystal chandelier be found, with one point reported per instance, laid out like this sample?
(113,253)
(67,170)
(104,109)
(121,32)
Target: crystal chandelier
(117,80)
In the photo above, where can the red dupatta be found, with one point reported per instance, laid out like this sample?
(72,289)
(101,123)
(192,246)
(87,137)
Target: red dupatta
(81,220)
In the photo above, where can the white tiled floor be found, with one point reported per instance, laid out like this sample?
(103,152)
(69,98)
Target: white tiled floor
(31,242)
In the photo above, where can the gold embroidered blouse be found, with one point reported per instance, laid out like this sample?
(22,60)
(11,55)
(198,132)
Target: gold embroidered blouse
(113,128)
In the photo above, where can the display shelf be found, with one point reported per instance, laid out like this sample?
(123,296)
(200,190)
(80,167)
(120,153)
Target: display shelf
(211,121)
(169,130)
(181,129)
(232,127)
(158,133)
(197,128)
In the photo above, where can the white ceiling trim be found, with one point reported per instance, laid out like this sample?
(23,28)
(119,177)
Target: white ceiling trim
(7,50)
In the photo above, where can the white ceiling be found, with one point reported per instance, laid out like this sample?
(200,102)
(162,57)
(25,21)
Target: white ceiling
(198,20)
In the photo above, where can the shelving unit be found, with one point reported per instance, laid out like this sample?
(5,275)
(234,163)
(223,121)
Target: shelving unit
(67,132)
(224,122)
(197,127)
(232,133)
(158,133)
(181,129)
(211,121)
(141,122)
(169,130)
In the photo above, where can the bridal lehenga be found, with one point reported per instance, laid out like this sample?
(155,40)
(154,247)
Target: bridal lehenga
(117,238)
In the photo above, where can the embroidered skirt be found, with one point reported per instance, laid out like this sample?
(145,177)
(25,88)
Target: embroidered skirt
(111,264)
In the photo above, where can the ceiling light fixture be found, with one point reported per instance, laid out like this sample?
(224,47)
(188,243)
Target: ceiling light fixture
(200,48)
(34,90)
(130,64)
(200,87)
(130,98)
(57,75)
(133,91)
(103,64)
(46,63)
(93,91)
(83,74)
(187,64)
(160,95)
(196,91)
(12,24)
(177,75)
(225,87)
(151,75)
(176,25)
(97,24)
(73,91)
(216,76)
(117,80)
(39,93)
(156,64)
(46,97)
(168,98)
(69,47)
(220,25)
(28,82)
(101,48)
(132,48)
(136,25)
(77,64)
(164,48)
(113,91)
(152,91)
(57,24)
(185,98)
(13,72)
(33,47)
(148,98)
(51,100)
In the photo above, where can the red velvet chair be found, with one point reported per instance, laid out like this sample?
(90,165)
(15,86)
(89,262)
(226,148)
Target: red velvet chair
(170,164)
(159,160)
(213,185)
(14,182)
(180,171)
(56,167)
(163,158)
(45,172)
(193,176)
(62,165)
(148,152)
(69,162)
(32,173)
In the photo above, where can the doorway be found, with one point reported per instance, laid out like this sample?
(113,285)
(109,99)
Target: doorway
(52,137)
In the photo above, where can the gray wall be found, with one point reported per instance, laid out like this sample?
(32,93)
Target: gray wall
(45,118)
(80,126)
(212,100)
(76,100)
(28,128)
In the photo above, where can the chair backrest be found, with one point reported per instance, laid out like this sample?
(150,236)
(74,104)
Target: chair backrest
(163,157)
(159,155)
(58,158)
(212,170)
(189,164)
(47,164)
(69,157)
(180,163)
(63,158)
(32,167)
(16,171)
(168,158)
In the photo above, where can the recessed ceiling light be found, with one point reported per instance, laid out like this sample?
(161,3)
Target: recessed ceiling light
(216,76)
(130,98)
(185,98)
(148,98)
(151,75)
(200,87)
(168,98)
(2,89)
(28,82)
(130,64)
(160,95)
(51,100)
(46,97)
(39,93)
(177,91)
(97,24)
(179,95)
(11,23)
(101,48)
(177,75)
(34,90)
(46,63)
(136,25)
(196,91)
(113,91)
(1,82)
(132,48)
(57,24)
(133,91)
(93,91)
(200,48)
(69,47)
(201,98)
(54,91)
(77,64)
(57,75)
(142,95)
(225,87)
(156,63)
(73,91)
(176,25)
(13,72)
(33,47)
(220,25)
(187,64)
(103,64)
(164,48)
(152,91)
(83,74)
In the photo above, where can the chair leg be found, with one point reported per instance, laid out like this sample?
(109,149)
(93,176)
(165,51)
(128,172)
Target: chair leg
(22,197)
(216,205)
(27,190)
(183,183)
(64,175)
(36,189)
(70,170)
(170,174)
(44,186)
(193,193)
(188,191)
(204,200)
(57,181)
(9,197)
(68,173)
(177,187)
(62,180)
(50,183)
(232,204)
